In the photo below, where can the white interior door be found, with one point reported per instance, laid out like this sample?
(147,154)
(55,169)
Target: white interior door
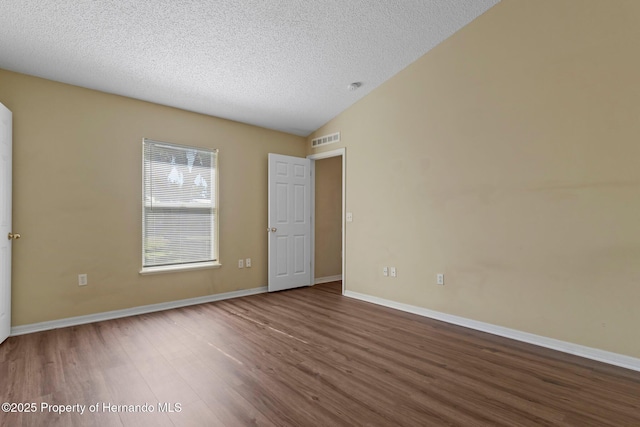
(289,222)
(5,222)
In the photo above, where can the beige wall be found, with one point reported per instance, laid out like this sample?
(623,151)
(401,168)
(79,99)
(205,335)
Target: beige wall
(508,159)
(77,192)
(328,233)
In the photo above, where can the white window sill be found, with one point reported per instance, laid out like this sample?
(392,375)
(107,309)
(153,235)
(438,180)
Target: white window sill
(176,268)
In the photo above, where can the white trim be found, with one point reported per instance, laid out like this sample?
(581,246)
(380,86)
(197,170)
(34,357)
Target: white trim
(133,311)
(214,204)
(554,344)
(312,241)
(179,267)
(327,279)
(325,155)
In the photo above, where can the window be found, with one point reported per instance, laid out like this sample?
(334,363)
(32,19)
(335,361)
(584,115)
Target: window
(179,207)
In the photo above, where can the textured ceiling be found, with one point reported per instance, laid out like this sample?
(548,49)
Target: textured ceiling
(279,64)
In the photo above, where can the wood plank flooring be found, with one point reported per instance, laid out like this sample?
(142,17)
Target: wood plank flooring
(305,357)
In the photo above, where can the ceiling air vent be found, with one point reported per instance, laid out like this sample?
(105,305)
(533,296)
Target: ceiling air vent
(324,140)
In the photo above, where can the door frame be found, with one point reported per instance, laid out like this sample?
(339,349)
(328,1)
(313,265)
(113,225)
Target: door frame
(6,225)
(319,156)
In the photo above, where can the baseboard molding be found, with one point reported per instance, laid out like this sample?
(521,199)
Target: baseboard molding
(554,344)
(327,279)
(116,314)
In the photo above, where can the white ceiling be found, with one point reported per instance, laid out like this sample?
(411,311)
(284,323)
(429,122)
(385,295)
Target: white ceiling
(279,64)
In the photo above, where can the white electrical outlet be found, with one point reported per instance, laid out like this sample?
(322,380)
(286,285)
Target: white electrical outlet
(385,271)
(349,217)
(440,279)
(247,263)
(240,263)
(394,273)
(82,280)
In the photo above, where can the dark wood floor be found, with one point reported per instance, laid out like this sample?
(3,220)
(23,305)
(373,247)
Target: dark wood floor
(306,357)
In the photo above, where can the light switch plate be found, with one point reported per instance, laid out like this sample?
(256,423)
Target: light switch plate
(349,217)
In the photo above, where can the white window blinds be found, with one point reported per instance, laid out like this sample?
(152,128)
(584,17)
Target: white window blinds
(178,204)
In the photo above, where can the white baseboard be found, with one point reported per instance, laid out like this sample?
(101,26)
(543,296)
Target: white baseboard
(554,344)
(108,315)
(327,279)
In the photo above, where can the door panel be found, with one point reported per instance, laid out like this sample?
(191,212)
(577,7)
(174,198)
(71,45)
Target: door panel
(282,247)
(299,203)
(5,221)
(289,222)
(299,254)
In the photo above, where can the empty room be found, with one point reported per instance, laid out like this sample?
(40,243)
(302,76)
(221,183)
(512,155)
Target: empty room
(333,213)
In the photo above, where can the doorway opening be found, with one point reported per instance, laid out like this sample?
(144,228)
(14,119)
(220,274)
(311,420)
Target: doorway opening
(328,209)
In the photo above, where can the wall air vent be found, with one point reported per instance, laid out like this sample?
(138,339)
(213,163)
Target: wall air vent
(324,140)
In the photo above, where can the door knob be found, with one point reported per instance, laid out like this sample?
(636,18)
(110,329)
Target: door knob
(273,230)
(13,236)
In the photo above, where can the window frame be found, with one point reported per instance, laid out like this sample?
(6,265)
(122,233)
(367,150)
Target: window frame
(215,263)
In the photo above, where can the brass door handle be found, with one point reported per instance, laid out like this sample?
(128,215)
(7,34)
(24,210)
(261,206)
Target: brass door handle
(13,236)
(273,230)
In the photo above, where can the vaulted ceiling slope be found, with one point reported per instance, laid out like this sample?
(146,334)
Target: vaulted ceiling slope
(279,64)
